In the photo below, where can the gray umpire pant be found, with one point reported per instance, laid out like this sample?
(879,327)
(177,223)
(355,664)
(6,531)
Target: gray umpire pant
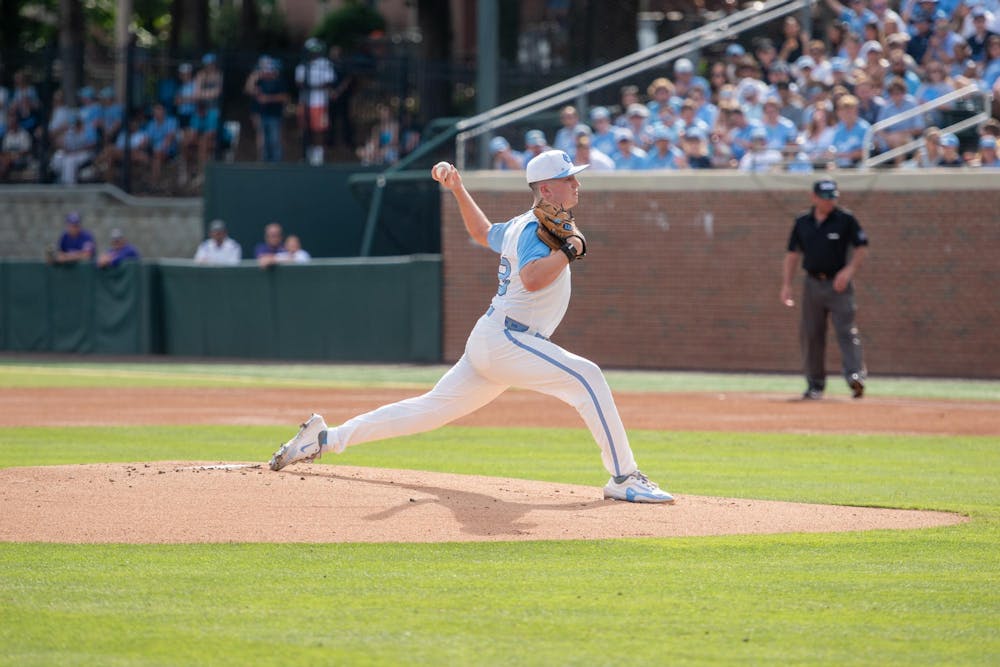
(819,300)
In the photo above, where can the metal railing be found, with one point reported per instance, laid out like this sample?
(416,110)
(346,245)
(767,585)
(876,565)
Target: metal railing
(867,161)
(640,61)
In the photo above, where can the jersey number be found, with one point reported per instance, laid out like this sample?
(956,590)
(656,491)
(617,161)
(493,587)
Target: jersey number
(503,275)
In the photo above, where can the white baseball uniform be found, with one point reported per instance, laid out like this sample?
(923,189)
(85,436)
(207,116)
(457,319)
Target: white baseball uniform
(509,346)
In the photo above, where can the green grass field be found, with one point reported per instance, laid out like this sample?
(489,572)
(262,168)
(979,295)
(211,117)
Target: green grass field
(926,597)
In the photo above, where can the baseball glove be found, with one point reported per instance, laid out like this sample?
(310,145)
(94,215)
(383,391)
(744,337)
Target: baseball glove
(556,227)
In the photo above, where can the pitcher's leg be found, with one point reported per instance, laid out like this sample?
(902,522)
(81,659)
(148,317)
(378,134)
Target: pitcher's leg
(579,382)
(460,391)
(843,311)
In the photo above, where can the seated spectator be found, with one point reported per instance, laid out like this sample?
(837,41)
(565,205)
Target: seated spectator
(979,33)
(793,39)
(817,139)
(988,157)
(77,150)
(162,131)
(849,133)
(504,158)
(628,95)
(218,249)
(15,148)
(689,119)
(941,43)
(685,78)
(111,117)
(113,155)
(949,152)
(603,138)
(565,139)
(293,252)
(661,94)
(695,146)
(780,131)
(121,250)
(761,156)
(704,110)
(75,244)
(929,153)
(587,154)
(382,146)
(90,110)
(267,252)
(198,142)
(738,136)
(991,67)
(936,84)
(60,119)
(535,143)
(628,155)
(904,131)
(663,154)
(869,103)
(24,99)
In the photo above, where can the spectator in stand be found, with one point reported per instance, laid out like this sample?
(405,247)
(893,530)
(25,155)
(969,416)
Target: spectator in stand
(760,157)
(718,78)
(779,130)
(382,146)
(886,16)
(60,119)
(113,154)
(75,244)
(721,153)
(941,42)
(340,105)
(841,73)
(960,58)
(823,70)
(949,152)
(24,99)
(199,143)
(409,132)
(855,14)
(121,250)
(77,149)
(585,154)
(111,118)
(851,48)
(663,154)
(267,252)
(250,90)
(685,78)
(638,122)
(869,104)
(791,104)
(904,131)
(293,253)
(628,155)
(565,139)
(929,153)
(315,79)
(535,143)
(988,158)
(90,110)
(794,40)
(627,95)
(898,69)
(979,34)
(727,67)
(15,147)
(766,55)
(738,136)
(162,132)
(603,138)
(208,82)
(504,158)
(937,84)
(660,104)
(688,119)
(695,146)
(271,96)
(991,68)
(185,98)
(920,36)
(705,111)
(817,139)
(218,249)
(849,133)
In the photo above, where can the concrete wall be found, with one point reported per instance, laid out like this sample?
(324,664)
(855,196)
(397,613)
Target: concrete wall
(32,218)
(684,270)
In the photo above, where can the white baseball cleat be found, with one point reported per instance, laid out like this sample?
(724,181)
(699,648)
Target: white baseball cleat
(636,488)
(304,446)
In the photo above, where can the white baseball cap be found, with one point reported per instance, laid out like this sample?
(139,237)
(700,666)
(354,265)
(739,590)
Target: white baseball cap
(552,164)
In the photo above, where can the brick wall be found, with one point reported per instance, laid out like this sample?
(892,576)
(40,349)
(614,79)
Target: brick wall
(684,270)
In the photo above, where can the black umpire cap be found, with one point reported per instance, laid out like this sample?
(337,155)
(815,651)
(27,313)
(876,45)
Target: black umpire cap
(826,189)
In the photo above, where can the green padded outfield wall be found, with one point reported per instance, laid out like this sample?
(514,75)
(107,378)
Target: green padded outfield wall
(75,308)
(379,309)
(316,204)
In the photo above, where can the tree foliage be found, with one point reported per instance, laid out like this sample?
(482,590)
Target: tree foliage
(350,25)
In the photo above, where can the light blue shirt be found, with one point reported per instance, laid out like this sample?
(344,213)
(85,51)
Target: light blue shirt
(529,246)
(782,133)
(847,140)
(654,160)
(892,109)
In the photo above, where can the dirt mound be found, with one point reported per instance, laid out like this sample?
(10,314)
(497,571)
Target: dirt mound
(185,502)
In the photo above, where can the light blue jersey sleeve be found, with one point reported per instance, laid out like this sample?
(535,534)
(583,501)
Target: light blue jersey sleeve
(495,234)
(530,247)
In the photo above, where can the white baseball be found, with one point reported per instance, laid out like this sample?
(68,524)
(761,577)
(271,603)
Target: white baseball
(441,171)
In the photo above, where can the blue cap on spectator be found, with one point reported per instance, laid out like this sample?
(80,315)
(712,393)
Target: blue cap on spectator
(735,50)
(780,66)
(978,11)
(772,99)
(805,61)
(839,64)
(758,132)
(941,16)
(185,68)
(661,132)
(694,132)
(624,134)
(107,93)
(683,66)
(598,113)
(208,59)
(87,92)
(582,129)
(498,144)
(534,138)
(73,218)
(949,140)
(988,141)
(638,109)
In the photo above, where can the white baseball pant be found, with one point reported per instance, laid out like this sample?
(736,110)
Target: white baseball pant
(496,358)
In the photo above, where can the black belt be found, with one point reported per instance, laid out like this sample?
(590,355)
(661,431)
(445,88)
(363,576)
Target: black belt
(818,275)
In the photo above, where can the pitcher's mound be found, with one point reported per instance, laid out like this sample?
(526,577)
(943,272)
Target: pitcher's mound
(167,502)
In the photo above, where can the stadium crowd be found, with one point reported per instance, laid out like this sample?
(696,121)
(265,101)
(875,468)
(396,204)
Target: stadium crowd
(798,103)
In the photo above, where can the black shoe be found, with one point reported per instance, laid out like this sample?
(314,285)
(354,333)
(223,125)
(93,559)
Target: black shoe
(857,386)
(812,395)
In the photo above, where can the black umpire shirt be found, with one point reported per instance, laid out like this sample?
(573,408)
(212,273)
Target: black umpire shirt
(824,245)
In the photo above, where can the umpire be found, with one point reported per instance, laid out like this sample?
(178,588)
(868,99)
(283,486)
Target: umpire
(824,236)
